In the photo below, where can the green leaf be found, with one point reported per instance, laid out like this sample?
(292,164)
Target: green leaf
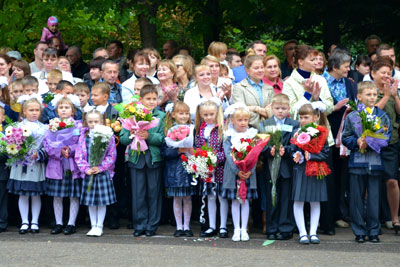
(268,242)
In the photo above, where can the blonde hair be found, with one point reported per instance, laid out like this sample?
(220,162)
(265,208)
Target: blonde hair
(361,86)
(238,113)
(172,67)
(273,57)
(93,111)
(81,87)
(55,74)
(66,100)
(205,60)
(169,120)
(199,68)
(188,64)
(25,106)
(152,51)
(217,48)
(251,59)
(104,87)
(280,99)
(220,117)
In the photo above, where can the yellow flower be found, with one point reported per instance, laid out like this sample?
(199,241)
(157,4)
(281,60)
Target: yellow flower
(132,109)
(377,126)
(369,110)
(12,149)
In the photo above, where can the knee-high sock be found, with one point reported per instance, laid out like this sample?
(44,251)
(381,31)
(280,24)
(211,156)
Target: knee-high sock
(178,212)
(73,210)
(223,210)
(299,217)
(245,210)
(93,215)
(36,206)
(23,205)
(315,213)
(236,213)
(212,211)
(101,214)
(187,212)
(58,209)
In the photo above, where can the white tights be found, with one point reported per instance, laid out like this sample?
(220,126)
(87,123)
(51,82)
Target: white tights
(187,212)
(298,209)
(97,215)
(212,211)
(23,204)
(240,211)
(73,210)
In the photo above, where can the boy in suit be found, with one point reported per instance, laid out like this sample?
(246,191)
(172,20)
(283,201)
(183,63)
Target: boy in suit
(146,169)
(279,219)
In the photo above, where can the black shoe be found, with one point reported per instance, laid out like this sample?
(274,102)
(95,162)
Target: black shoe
(57,229)
(129,226)
(3,230)
(374,239)
(179,233)
(69,230)
(208,234)
(150,232)
(138,233)
(271,236)
(35,231)
(224,233)
(188,233)
(327,232)
(360,238)
(284,236)
(114,225)
(23,231)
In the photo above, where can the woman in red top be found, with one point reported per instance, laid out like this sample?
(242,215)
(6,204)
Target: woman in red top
(272,73)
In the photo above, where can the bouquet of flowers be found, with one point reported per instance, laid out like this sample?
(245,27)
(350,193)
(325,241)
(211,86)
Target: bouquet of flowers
(312,138)
(370,127)
(116,127)
(57,124)
(135,116)
(17,143)
(100,138)
(48,98)
(180,136)
(245,154)
(275,139)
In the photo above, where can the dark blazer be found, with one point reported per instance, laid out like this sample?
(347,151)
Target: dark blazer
(175,174)
(286,161)
(111,113)
(50,113)
(335,118)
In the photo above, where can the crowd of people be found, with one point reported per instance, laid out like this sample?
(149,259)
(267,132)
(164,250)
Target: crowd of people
(227,96)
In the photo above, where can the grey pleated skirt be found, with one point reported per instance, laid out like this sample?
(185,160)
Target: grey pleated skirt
(306,188)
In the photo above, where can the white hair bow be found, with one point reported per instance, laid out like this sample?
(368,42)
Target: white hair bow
(232,108)
(24,98)
(74,99)
(3,82)
(169,107)
(216,100)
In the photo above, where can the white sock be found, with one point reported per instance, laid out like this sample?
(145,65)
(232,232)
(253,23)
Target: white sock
(187,212)
(73,210)
(236,213)
(101,214)
(177,206)
(315,213)
(58,209)
(299,217)
(223,210)
(23,205)
(36,206)
(93,215)
(245,210)
(212,211)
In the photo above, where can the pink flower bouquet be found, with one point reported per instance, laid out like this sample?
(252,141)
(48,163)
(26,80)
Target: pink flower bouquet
(180,136)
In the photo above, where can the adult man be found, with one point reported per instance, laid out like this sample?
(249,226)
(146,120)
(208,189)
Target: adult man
(37,64)
(54,42)
(260,48)
(115,51)
(288,50)
(170,49)
(101,52)
(372,43)
(233,60)
(78,67)
(110,75)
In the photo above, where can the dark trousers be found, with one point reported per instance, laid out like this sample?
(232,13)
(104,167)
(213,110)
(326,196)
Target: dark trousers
(341,180)
(359,185)
(280,218)
(327,219)
(3,205)
(146,198)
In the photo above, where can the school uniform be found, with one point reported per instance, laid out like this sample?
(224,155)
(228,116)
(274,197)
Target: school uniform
(49,113)
(102,191)
(366,172)
(279,218)
(4,173)
(146,177)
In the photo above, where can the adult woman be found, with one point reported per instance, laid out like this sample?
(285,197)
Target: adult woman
(202,89)
(272,73)
(63,64)
(184,65)
(20,69)
(168,87)
(141,65)
(154,57)
(389,101)
(252,91)
(362,68)
(320,63)
(5,66)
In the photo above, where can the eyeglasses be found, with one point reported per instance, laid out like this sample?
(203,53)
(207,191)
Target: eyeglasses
(178,65)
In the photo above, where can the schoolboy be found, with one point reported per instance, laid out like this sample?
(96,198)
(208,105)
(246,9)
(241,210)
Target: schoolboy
(16,89)
(30,85)
(82,91)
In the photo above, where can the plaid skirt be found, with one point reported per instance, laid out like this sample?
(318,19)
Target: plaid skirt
(66,187)
(102,192)
(231,194)
(181,191)
(212,189)
(26,188)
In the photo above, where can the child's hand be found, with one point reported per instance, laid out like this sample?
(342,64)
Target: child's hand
(96,170)
(244,176)
(307,155)
(34,156)
(273,151)
(65,152)
(281,151)
(143,134)
(362,144)
(297,157)
(133,132)
(89,172)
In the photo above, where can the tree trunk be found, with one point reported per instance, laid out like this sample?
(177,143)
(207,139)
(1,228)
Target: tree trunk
(331,34)
(212,18)
(148,30)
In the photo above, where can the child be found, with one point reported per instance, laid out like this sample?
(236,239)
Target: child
(95,71)
(65,88)
(54,77)
(177,180)
(308,188)
(219,50)
(102,191)
(239,117)
(28,180)
(366,169)
(145,169)
(63,177)
(280,222)
(5,101)
(3,184)
(16,90)
(208,124)
(224,71)
(140,83)
(100,95)
(82,91)
(30,85)
(52,31)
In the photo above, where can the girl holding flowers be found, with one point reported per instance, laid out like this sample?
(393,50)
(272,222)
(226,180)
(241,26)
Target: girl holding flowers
(62,175)
(27,179)
(97,186)
(310,168)
(178,129)
(209,128)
